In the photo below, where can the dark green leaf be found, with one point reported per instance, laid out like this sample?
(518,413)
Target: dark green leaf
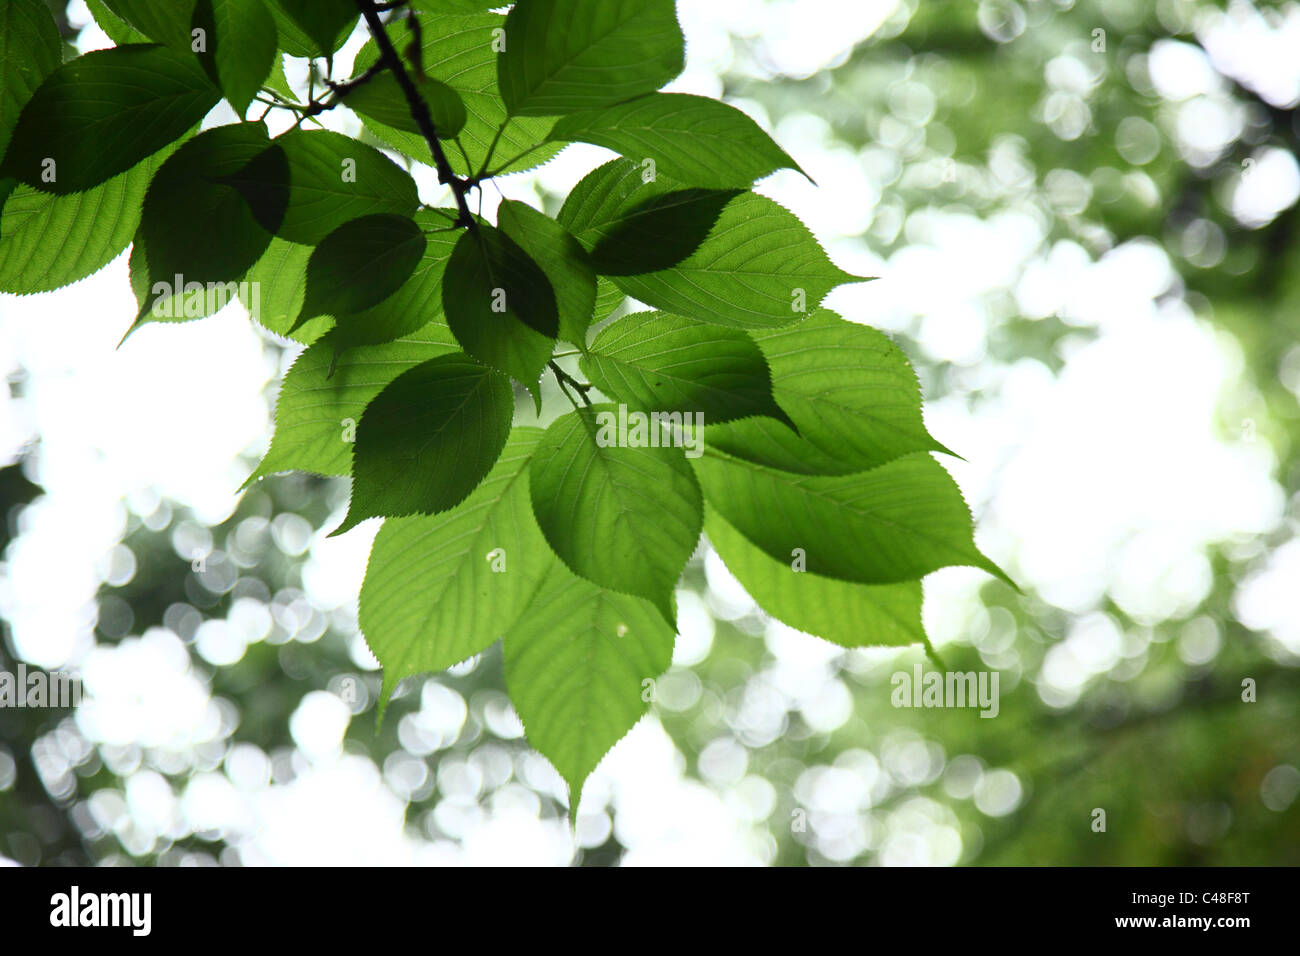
(240,48)
(661,362)
(381,99)
(567,55)
(194,228)
(500,305)
(894,523)
(326,391)
(30,50)
(580,666)
(851,615)
(360,264)
(313,28)
(461,51)
(428,439)
(693,139)
(562,259)
(441,588)
(758,269)
(100,114)
(163,22)
(622,516)
(310,182)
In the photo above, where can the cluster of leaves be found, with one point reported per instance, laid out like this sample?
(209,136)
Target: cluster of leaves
(816,485)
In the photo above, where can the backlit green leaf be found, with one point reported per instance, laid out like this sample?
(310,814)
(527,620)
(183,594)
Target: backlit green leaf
(693,139)
(380,100)
(325,392)
(360,264)
(567,55)
(100,114)
(851,615)
(441,588)
(623,517)
(661,362)
(894,523)
(240,48)
(500,305)
(562,259)
(759,268)
(580,666)
(428,439)
(30,50)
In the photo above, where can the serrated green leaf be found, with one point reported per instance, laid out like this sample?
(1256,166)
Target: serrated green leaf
(325,392)
(49,241)
(441,588)
(567,55)
(240,48)
(166,22)
(609,298)
(381,100)
(850,390)
(851,615)
(307,183)
(580,667)
(194,228)
(102,113)
(562,259)
(765,441)
(114,27)
(759,266)
(661,362)
(30,50)
(692,139)
(894,523)
(312,28)
(360,264)
(624,517)
(428,439)
(461,51)
(274,289)
(500,305)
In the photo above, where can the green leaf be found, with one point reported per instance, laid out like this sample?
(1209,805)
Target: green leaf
(381,99)
(661,362)
(100,114)
(562,259)
(274,290)
(30,50)
(851,615)
(325,392)
(693,139)
(360,264)
(428,439)
(310,182)
(765,441)
(567,55)
(241,46)
(609,298)
(193,228)
(313,28)
(756,270)
(167,22)
(894,523)
(117,29)
(500,305)
(441,588)
(624,517)
(849,389)
(461,51)
(49,241)
(580,666)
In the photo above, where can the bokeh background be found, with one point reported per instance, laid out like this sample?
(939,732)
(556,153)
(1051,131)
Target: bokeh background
(1083,218)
